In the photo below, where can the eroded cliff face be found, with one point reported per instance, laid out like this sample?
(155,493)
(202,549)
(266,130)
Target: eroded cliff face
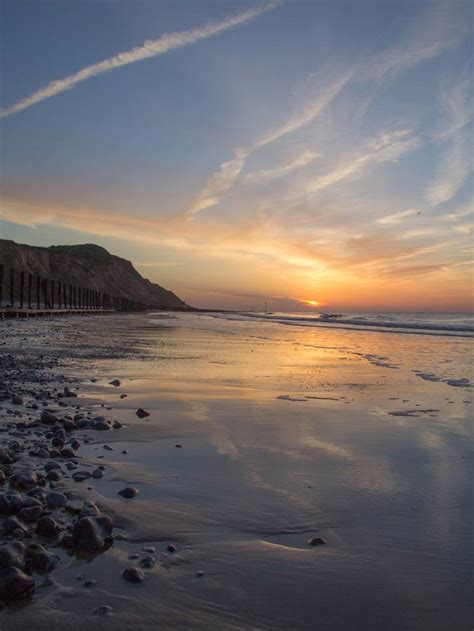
(89,266)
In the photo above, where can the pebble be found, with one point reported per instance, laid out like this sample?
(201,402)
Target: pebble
(316,541)
(92,534)
(141,413)
(80,476)
(115,382)
(133,575)
(102,610)
(56,500)
(48,527)
(128,492)
(148,562)
(14,584)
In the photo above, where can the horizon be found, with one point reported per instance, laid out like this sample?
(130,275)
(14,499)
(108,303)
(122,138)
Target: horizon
(233,159)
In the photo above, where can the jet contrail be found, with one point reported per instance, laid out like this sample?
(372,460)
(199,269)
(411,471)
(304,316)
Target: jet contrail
(150,48)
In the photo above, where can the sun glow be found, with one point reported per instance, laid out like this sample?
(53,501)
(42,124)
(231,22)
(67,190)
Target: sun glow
(312,303)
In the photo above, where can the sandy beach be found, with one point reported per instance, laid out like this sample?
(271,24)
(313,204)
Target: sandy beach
(260,438)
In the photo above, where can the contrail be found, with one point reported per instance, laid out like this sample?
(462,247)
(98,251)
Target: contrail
(150,48)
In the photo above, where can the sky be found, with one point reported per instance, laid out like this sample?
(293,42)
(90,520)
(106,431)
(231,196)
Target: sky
(307,154)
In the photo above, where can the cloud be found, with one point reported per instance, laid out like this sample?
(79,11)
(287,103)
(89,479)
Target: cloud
(150,48)
(395,218)
(264,175)
(229,171)
(387,147)
(456,160)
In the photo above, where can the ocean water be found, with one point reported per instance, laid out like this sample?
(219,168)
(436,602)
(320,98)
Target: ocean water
(429,323)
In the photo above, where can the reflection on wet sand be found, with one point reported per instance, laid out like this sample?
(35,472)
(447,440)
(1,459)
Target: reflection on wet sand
(286,434)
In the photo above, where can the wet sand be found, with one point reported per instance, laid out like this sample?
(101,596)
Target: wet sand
(359,438)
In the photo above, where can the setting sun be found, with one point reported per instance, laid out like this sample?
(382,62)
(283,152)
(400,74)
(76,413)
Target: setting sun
(312,303)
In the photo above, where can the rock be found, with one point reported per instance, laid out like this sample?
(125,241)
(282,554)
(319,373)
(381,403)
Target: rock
(97,474)
(10,503)
(12,554)
(47,527)
(199,574)
(90,583)
(316,541)
(30,513)
(101,425)
(69,393)
(171,548)
(75,444)
(53,475)
(48,417)
(133,575)
(102,610)
(51,465)
(2,476)
(39,560)
(117,425)
(24,480)
(178,446)
(148,562)
(129,492)
(123,396)
(141,413)
(17,400)
(11,524)
(80,476)
(67,452)
(56,500)
(92,534)
(115,382)
(89,509)
(107,448)
(15,584)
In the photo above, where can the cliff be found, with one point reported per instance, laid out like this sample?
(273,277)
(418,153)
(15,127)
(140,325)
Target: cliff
(89,266)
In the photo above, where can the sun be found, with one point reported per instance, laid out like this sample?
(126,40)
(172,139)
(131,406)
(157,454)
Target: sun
(312,303)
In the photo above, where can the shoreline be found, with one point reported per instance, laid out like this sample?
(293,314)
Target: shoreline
(281,453)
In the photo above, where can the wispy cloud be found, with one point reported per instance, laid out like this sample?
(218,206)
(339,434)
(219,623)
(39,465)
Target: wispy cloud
(456,162)
(264,175)
(387,147)
(150,48)
(395,218)
(229,171)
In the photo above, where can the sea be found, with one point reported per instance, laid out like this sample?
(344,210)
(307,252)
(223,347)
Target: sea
(453,324)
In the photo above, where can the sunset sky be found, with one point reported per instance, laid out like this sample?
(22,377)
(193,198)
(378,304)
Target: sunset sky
(243,152)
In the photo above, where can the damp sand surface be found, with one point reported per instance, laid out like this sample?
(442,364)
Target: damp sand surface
(260,438)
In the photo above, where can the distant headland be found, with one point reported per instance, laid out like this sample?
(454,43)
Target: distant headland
(91,266)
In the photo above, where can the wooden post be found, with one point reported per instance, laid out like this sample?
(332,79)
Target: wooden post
(1,285)
(22,289)
(38,282)
(64,296)
(45,292)
(30,287)
(12,287)
(52,294)
(59,294)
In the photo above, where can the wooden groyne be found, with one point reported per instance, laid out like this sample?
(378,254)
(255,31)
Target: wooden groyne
(24,295)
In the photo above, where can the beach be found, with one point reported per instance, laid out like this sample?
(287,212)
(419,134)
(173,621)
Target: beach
(288,477)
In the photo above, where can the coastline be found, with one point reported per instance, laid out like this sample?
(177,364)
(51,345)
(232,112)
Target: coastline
(301,438)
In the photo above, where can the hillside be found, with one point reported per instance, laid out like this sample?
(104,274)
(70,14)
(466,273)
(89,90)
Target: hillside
(89,266)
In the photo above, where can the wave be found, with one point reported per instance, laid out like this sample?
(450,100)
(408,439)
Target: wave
(447,324)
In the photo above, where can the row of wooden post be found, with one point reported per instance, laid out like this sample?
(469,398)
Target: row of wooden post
(54,294)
